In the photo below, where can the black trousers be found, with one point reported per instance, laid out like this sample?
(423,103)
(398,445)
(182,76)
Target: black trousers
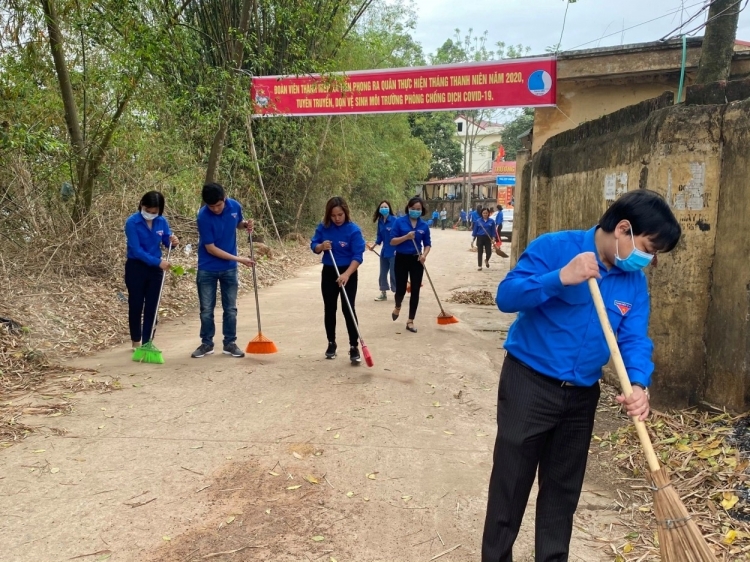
(143,282)
(540,425)
(484,244)
(331,294)
(408,269)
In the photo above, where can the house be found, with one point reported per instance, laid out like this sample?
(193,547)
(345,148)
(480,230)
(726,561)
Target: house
(596,82)
(480,140)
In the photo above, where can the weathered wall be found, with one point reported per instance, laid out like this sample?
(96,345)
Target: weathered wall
(678,152)
(727,331)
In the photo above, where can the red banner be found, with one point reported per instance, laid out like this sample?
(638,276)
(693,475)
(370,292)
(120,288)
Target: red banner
(510,83)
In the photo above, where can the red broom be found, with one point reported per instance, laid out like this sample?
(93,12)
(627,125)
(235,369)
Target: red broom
(443,318)
(365,349)
(260,344)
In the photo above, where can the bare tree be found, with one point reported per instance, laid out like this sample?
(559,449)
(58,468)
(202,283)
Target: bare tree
(718,43)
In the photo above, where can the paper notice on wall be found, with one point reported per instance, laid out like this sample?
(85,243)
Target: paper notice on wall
(615,185)
(691,196)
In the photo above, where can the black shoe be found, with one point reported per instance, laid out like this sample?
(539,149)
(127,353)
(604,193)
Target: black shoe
(354,356)
(233,350)
(203,349)
(331,351)
(395,313)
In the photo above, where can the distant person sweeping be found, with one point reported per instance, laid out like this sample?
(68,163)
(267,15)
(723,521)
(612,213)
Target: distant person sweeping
(407,231)
(146,232)
(218,222)
(345,241)
(555,351)
(485,233)
(385,219)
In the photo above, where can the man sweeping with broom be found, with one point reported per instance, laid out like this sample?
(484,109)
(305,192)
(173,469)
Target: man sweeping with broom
(555,351)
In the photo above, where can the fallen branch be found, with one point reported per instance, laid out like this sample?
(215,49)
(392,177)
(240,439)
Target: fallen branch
(236,550)
(139,504)
(444,553)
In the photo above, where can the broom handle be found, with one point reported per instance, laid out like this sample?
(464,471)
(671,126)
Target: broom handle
(487,233)
(622,373)
(255,283)
(158,301)
(346,298)
(429,279)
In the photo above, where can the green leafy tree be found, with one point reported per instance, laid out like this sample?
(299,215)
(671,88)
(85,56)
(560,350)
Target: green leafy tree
(438,132)
(511,132)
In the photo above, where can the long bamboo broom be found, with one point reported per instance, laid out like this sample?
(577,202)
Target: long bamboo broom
(680,539)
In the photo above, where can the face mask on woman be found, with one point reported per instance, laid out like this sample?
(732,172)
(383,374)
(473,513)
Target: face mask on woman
(385,211)
(148,216)
(415,213)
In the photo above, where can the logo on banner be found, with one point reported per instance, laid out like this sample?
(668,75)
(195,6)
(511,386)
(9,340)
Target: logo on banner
(261,100)
(540,82)
(623,307)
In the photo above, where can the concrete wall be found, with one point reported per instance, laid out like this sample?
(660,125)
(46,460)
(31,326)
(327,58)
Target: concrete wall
(701,291)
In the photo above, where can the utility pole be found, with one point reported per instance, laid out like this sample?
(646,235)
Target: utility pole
(718,42)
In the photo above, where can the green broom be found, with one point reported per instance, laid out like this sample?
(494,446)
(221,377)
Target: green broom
(148,352)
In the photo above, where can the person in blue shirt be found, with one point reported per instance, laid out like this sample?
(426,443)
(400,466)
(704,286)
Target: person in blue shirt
(407,231)
(435,218)
(338,233)
(385,219)
(555,351)
(218,221)
(485,233)
(497,216)
(146,232)
(474,215)
(462,216)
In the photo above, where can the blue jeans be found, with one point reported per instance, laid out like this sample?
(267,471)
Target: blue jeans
(206,281)
(387,265)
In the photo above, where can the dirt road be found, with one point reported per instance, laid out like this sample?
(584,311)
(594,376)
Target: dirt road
(287,456)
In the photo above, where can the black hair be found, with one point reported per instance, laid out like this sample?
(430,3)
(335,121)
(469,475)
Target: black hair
(152,199)
(334,202)
(413,201)
(213,193)
(377,214)
(499,207)
(649,215)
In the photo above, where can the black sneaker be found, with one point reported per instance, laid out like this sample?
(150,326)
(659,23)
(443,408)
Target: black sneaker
(203,349)
(331,350)
(233,350)
(354,356)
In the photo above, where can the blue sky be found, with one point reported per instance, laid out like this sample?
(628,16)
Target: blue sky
(538,23)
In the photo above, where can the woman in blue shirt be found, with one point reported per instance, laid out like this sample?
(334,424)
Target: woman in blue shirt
(410,259)
(385,219)
(485,231)
(338,233)
(146,232)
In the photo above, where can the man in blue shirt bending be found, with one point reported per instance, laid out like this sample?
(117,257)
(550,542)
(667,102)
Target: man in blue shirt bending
(555,351)
(218,221)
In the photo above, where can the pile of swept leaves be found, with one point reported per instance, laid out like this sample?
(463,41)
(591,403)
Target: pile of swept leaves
(708,459)
(481,297)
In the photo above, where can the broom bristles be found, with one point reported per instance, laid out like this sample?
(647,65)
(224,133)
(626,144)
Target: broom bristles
(445,318)
(148,353)
(680,539)
(260,344)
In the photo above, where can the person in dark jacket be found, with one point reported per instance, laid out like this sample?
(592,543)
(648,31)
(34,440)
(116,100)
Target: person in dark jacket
(555,351)
(408,231)
(339,234)
(146,232)
(385,218)
(485,233)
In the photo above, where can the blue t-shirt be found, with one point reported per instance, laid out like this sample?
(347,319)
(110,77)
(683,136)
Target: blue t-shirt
(557,331)
(221,231)
(145,243)
(481,225)
(403,226)
(463,216)
(435,215)
(347,243)
(385,233)
(475,216)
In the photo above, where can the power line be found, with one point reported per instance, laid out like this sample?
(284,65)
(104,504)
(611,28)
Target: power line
(701,26)
(671,12)
(676,30)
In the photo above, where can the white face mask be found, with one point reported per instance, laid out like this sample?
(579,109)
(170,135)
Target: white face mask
(148,216)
